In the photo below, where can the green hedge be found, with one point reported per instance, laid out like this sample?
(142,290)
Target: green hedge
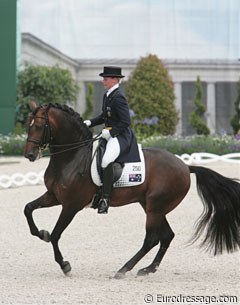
(13,145)
(219,145)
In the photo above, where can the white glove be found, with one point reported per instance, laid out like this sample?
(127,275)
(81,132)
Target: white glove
(88,123)
(106,134)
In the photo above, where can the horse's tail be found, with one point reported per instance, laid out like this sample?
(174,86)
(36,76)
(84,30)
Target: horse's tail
(221,216)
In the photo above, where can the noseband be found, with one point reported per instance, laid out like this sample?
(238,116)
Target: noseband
(47,134)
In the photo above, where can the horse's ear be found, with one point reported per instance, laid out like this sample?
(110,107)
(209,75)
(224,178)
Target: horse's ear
(33,105)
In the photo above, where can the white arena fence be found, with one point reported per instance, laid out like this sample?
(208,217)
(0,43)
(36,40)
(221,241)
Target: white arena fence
(17,179)
(32,178)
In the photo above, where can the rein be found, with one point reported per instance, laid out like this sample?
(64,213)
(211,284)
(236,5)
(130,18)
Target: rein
(78,145)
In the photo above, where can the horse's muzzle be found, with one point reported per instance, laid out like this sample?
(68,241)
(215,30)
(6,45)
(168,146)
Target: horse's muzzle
(31,156)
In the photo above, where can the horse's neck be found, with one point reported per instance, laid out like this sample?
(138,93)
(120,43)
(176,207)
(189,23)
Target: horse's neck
(70,142)
(68,132)
(77,160)
(66,137)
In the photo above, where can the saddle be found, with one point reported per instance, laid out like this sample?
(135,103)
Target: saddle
(117,167)
(125,175)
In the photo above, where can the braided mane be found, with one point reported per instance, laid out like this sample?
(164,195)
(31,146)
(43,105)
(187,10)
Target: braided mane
(72,113)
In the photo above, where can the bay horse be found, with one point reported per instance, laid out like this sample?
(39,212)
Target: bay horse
(68,182)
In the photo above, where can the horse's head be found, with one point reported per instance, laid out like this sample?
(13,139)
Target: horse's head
(56,125)
(39,131)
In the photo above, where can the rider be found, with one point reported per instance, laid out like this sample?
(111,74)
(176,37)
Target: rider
(121,142)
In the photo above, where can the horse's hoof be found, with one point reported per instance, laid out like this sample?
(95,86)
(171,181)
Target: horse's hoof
(119,275)
(68,274)
(66,268)
(143,272)
(44,235)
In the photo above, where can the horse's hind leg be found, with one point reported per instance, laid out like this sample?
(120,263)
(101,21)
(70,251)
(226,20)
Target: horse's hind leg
(166,235)
(154,226)
(46,200)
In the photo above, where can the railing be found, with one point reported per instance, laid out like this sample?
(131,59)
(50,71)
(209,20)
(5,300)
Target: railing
(203,158)
(32,178)
(17,179)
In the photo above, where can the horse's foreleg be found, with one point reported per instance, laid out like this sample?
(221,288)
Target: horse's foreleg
(166,235)
(28,210)
(45,200)
(65,218)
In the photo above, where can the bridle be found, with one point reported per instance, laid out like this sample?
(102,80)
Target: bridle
(47,138)
(47,132)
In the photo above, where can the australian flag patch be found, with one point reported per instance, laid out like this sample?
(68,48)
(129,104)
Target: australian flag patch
(135,177)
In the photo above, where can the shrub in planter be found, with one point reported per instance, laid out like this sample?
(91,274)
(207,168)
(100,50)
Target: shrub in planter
(150,94)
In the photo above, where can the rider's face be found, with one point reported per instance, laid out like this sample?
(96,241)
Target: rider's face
(109,82)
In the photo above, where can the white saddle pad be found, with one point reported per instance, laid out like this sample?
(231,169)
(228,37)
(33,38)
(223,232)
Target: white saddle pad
(133,173)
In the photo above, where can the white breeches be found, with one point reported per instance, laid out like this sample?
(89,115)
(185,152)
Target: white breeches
(111,153)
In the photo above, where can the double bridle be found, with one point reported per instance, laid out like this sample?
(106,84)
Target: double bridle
(47,133)
(47,137)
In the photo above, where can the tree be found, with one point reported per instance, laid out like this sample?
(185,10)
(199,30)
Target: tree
(195,118)
(235,121)
(89,101)
(150,94)
(44,85)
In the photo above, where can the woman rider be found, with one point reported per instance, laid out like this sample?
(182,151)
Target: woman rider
(121,142)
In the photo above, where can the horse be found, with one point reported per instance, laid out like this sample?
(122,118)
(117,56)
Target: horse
(167,181)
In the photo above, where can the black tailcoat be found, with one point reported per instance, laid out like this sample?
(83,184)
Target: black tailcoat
(115,115)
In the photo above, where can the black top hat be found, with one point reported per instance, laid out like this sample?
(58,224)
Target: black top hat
(112,72)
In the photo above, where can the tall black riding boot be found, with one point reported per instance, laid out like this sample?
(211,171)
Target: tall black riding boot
(106,189)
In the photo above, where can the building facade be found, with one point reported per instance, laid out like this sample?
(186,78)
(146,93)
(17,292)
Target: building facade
(218,77)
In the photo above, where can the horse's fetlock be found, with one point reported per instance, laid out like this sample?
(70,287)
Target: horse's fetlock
(45,236)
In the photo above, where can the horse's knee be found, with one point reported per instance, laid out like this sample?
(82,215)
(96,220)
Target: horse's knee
(29,208)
